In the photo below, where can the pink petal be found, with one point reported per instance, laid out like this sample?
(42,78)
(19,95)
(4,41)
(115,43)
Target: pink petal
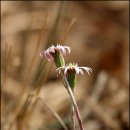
(51,49)
(48,56)
(61,49)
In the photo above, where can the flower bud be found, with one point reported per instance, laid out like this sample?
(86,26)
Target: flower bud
(58,59)
(71,77)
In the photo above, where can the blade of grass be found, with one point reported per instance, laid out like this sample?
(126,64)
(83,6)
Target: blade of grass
(22,112)
(49,38)
(68,30)
(7,56)
(29,104)
(20,107)
(37,79)
(46,74)
(34,55)
(21,116)
(54,113)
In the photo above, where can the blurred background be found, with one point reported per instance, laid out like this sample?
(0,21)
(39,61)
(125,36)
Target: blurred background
(32,93)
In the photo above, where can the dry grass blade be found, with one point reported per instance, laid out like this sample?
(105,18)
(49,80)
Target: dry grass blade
(22,112)
(25,115)
(50,40)
(104,116)
(54,113)
(52,35)
(7,55)
(97,92)
(6,62)
(92,103)
(34,55)
(30,103)
(46,74)
(20,108)
(68,29)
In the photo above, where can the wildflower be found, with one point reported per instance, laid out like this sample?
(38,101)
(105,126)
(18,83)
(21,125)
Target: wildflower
(71,72)
(56,52)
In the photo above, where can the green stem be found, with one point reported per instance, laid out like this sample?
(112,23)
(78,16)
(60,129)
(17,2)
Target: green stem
(73,117)
(72,98)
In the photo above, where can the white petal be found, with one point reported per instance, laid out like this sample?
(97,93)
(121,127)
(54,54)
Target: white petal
(60,68)
(80,70)
(76,69)
(68,49)
(87,69)
(63,50)
(66,69)
(76,65)
(58,47)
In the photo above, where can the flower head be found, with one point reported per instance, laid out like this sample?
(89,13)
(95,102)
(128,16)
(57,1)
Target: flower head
(49,53)
(71,72)
(56,52)
(74,68)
